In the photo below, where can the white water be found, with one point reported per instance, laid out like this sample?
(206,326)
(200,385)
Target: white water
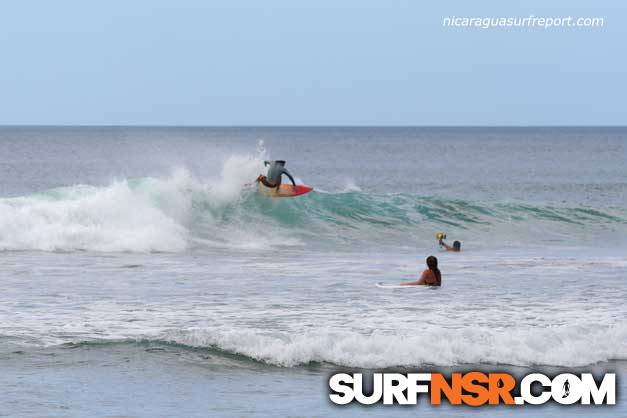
(141,215)
(500,308)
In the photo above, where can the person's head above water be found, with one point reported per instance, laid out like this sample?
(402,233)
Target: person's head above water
(430,277)
(432,263)
(456,247)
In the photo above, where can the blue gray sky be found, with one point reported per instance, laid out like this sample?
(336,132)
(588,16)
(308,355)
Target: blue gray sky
(273,62)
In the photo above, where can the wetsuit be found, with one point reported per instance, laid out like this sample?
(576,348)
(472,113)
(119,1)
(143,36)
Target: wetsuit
(275,170)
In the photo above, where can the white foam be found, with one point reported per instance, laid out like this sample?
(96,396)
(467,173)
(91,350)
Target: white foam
(350,186)
(140,215)
(561,346)
(238,173)
(112,218)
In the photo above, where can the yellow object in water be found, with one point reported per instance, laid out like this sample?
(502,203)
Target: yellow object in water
(440,236)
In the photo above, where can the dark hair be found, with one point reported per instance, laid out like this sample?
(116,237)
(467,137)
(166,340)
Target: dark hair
(457,245)
(432,263)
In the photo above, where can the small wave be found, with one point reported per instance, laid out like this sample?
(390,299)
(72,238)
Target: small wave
(559,346)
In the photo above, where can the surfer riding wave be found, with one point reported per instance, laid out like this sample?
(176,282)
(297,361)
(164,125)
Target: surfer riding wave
(276,169)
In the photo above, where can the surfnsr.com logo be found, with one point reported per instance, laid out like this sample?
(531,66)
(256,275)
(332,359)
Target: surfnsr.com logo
(473,389)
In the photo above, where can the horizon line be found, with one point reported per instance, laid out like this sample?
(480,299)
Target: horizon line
(294,126)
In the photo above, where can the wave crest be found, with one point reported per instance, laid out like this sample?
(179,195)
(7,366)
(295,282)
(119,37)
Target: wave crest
(559,346)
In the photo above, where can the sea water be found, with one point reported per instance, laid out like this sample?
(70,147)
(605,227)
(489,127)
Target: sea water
(143,276)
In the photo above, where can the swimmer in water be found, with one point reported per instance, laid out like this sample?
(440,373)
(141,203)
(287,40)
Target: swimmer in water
(457,246)
(429,277)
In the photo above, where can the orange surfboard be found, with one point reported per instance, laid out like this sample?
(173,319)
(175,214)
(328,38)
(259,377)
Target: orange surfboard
(285,190)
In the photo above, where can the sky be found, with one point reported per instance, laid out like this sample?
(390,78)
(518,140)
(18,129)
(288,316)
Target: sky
(274,62)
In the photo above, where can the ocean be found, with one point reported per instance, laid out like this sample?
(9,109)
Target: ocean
(143,276)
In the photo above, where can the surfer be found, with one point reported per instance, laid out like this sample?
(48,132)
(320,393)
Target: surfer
(566,389)
(429,277)
(275,170)
(457,246)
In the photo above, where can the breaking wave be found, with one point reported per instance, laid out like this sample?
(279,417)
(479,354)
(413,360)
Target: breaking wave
(560,346)
(568,346)
(180,211)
